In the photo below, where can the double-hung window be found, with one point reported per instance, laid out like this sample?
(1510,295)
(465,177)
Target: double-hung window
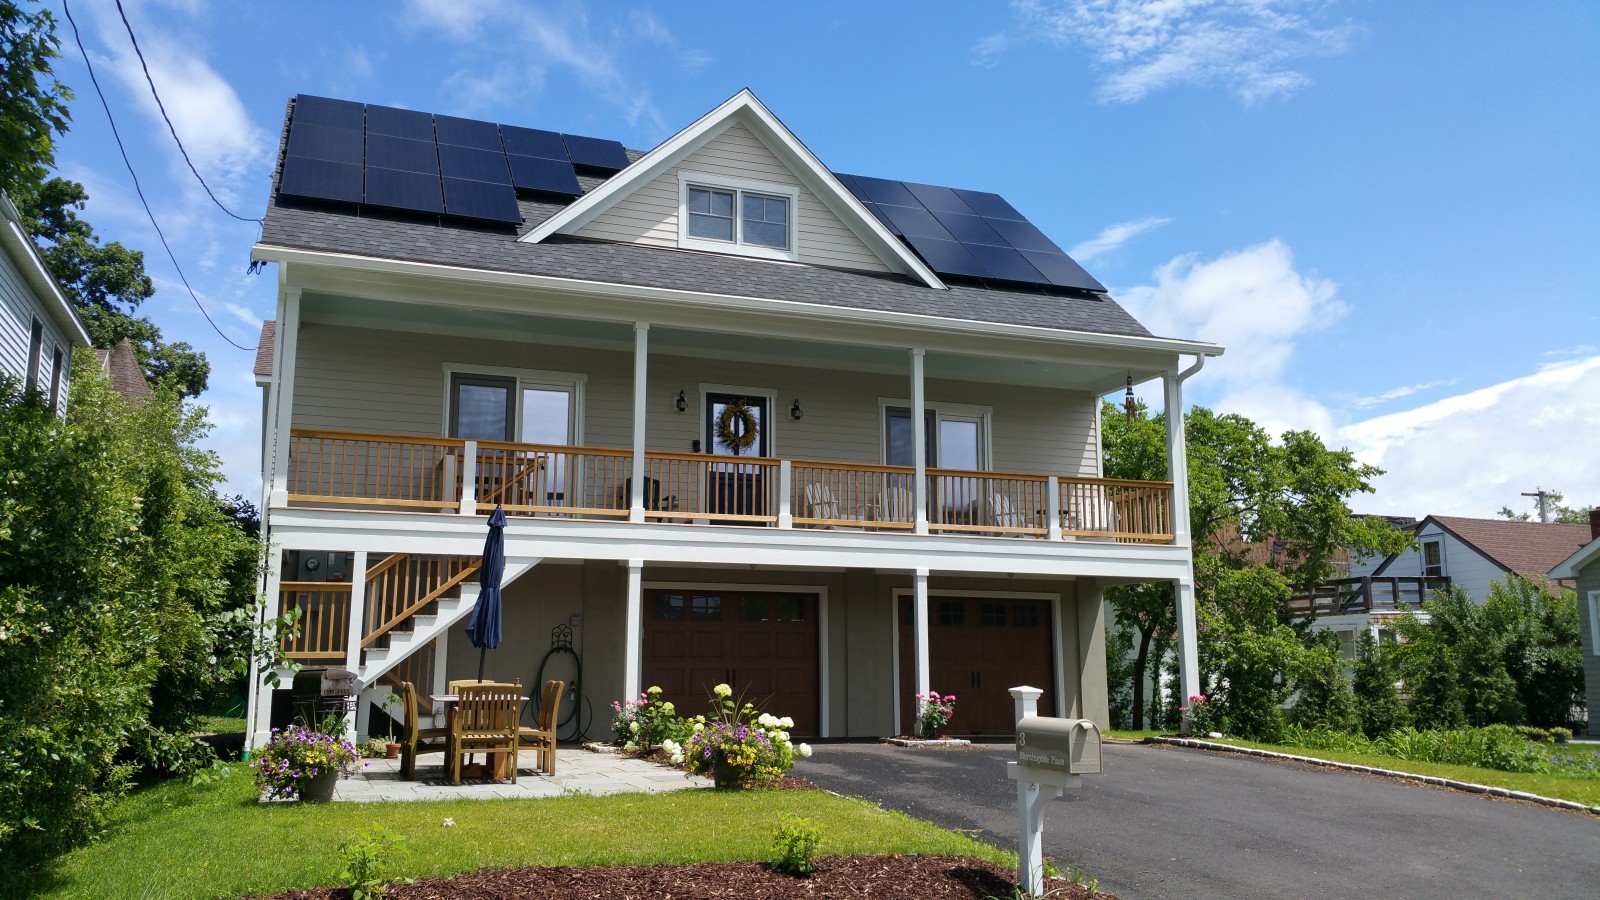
(748,218)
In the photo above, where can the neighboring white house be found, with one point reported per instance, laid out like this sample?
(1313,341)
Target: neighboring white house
(1582,569)
(831,439)
(38,327)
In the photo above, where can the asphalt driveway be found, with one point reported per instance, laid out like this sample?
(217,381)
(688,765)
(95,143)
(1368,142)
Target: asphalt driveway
(1168,822)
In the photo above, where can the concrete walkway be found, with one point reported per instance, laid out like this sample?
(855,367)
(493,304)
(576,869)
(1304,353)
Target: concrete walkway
(576,770)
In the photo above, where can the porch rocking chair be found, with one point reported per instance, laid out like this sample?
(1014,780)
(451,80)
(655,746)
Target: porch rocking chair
(414,738)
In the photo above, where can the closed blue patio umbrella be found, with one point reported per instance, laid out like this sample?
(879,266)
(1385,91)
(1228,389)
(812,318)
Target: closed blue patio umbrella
(483,629)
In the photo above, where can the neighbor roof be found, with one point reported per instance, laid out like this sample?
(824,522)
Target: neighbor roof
(264,347)
(1529,549)
(299,225)
(122,367)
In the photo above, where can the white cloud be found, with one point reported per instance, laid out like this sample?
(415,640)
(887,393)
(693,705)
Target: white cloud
(1397,393)
(458,19)
(988,50)
(1113,237)
(1473,453)
(1250,47)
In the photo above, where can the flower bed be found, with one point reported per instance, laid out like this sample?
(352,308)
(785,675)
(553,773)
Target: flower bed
(737,745)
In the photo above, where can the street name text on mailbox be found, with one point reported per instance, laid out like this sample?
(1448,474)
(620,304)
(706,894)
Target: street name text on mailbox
(1063,745)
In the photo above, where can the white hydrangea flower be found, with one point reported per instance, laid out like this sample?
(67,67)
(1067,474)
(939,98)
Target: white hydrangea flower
(803,749)
(722,690)
(630,746)
(786,722)
(633,727)
(698,727)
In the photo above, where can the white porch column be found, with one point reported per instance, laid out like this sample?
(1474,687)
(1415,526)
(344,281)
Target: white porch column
(258,711)
(919,608)
(1183,588)
(641,361)
(355,724)
(919,443)
(469,478)
(283,364)
(441,674)
(633,637)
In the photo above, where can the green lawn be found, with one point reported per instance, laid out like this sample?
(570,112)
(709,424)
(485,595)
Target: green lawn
(1134,734)
(1580,790)
(176,840)
(220,725)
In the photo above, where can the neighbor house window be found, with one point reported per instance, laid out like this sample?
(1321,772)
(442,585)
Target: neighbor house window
(35,347)
(1433,558)
(731,216)
(56,373)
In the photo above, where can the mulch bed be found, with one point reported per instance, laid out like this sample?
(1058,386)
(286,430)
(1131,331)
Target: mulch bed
(889,877)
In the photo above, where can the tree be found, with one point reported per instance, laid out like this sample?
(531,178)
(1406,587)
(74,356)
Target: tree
(105,282)
(1559,511)
(1375,684)
(1321,681)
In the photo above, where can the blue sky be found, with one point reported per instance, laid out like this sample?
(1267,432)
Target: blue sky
(1387,212)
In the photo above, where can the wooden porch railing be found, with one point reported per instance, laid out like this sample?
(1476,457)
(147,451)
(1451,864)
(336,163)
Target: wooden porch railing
(423,473)
(323,631)
(1367,594)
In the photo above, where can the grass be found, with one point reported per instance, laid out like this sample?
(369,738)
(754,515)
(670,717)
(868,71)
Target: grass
(220,725)
(1134,734)
(176,840)
(1580,790)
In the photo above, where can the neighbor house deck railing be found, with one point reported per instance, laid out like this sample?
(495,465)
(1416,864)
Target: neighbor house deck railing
(471,477)
(1367,594)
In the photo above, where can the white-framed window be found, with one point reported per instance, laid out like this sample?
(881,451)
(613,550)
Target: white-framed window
(957,434)
(1433,558)
(731,215)
(490,403)
(1594,623)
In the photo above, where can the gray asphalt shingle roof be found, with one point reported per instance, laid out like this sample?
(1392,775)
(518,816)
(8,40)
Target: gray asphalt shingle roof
(289,224)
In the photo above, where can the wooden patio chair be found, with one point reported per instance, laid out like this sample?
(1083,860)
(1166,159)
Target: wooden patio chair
(821,504)
(486,720)
(543,735)
(899,505)
(1004,513)
(415,739)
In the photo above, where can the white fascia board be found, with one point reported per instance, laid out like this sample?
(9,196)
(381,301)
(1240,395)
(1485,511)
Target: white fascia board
(22,249)
(746,108)
(733,303)
(1569,567)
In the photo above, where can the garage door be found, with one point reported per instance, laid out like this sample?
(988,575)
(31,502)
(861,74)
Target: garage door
(978,649)
(763,643)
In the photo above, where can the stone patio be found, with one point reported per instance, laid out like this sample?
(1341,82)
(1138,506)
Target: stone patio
(576,770)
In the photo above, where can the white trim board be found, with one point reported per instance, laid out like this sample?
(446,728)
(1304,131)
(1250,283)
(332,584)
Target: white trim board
(823,700)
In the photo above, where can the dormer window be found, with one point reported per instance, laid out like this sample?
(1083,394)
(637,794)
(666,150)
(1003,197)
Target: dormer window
(726,215)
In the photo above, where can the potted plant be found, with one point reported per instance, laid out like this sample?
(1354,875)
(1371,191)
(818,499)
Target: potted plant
(738,745)
(305,764)
(391,750)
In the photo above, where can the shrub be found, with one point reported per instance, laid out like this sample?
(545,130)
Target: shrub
(369,860)
(752,746)
(373,748)
(796,841)
(1374,683)
(934,713)
(1323,688)
(1199,712)
(647,722)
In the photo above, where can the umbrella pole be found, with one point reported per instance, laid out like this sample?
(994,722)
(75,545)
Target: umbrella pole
(482,652)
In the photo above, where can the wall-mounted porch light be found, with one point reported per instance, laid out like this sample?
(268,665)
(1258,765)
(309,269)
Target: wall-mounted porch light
(795,412)
(682,403)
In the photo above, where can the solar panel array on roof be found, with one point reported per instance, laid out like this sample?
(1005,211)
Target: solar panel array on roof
(969,233)
(403,159)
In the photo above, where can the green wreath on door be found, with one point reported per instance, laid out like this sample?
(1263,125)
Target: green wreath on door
(737,427)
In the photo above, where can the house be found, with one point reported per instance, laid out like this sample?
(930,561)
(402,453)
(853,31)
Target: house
(1582,570)
(1450,551)
(829,439)
(38,326)
(121,366)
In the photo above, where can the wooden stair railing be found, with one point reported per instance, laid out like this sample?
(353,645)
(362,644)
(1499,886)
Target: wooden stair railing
(417,669)
(405,584)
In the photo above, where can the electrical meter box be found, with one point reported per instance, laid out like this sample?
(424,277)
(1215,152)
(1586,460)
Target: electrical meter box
(317,565)
(1071,746)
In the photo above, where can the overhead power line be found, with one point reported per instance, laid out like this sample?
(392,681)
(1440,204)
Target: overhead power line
(163,107)
(78,39)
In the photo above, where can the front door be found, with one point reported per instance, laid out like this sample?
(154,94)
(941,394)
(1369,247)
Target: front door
(736,426)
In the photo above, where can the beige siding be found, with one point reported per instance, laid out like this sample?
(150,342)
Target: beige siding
(359,379)
(649,215)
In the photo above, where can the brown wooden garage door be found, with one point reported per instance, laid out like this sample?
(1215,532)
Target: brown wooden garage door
(763,643)
(978,649)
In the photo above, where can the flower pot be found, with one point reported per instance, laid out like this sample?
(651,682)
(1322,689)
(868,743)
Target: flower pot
(317,788)
(391,750)
(725,776)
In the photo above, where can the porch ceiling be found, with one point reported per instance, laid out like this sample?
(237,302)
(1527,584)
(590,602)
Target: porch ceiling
(731,344)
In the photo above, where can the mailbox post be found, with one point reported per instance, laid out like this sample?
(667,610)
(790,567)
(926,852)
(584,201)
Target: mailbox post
(1052,754)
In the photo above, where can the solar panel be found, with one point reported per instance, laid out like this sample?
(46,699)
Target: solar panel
(849,182)
(893,193)
(387,152)
(914,221)
(990,206)
(938,199)
(947,257)
(481,200)
(877,210)
(595,153)
(467,133)
(969,229)
(406,123)
(331,113)
(1023,236)
(1005,263)
(325,142)
(403,190)
(551,176)
(533,142)
(1061,270)
(320,179)
(477,165)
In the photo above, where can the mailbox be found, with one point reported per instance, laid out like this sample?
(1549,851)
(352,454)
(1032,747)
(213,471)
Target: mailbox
(1071,746)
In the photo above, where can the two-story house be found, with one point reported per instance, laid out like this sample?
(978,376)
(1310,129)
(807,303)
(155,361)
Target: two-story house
(829,439)
(38,326)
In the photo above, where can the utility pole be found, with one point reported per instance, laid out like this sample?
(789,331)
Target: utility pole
(1544,497)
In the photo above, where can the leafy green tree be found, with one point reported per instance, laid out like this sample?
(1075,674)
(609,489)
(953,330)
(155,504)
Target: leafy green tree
(1375,684)
(1322,686)
(1559,511)
(33,104)
(1537,628)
